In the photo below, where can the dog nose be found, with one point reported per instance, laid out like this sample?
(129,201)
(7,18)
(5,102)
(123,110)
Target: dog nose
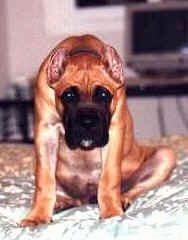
(88,120)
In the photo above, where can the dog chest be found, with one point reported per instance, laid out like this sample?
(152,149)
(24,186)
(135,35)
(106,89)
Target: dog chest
(78,171)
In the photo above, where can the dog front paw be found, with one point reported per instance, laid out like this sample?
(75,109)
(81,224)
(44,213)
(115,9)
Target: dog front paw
(34,222)
(31,222)
(36,217)
(109,205)
(111,212)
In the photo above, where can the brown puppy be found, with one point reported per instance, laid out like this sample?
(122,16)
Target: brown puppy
(84,141)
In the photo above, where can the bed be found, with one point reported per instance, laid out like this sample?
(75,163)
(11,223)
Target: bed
(158,214)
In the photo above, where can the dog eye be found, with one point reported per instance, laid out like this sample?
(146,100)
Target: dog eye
(102,94)
(70,95)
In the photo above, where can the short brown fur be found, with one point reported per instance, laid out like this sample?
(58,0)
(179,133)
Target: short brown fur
(114,174)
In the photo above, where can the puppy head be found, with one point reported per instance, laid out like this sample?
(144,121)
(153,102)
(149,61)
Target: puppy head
(85,79)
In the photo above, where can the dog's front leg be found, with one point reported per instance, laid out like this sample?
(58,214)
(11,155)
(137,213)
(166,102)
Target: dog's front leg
(109,189)
(109,195)
(46,144)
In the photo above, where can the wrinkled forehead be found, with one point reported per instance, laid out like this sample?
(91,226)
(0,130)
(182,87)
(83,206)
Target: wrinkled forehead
(83,62)
(86,72)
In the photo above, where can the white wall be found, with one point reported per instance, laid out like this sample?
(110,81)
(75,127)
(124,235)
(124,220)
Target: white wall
(26,38)
(4,65)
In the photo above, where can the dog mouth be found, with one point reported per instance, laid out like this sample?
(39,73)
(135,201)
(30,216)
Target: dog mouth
(86,143)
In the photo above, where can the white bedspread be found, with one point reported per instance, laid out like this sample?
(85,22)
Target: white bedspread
(160,214)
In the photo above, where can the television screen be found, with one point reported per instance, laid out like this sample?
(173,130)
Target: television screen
(160,31)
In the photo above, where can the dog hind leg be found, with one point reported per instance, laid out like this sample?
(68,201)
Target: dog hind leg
(153,172)
(63,202)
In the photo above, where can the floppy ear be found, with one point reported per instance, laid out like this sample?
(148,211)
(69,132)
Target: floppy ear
(114,64)
(56,65)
